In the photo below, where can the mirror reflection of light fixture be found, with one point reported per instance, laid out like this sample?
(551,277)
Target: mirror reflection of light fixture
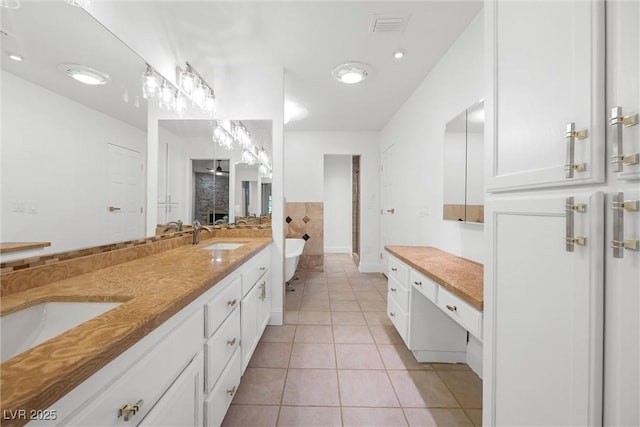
(351,72)
(84,74)
(151,83)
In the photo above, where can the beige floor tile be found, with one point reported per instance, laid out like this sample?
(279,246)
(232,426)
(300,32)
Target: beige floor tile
(338,285)
(250,416)
(284,333)
(261,386)
(291,317)
(376,318)
(352,334)
(353,318)
(342,295)
(398,356)
(475,415)
(314,317)
(345,306)
(382,288)
(423,417)
(314,306)
(309,416)
(368,296)
(373,305)
(358,356)
(363,287)
(319,356)
(311,387)
(371,417)
(292,303)
(314,334)
(385,334)
(367,388)
(466,386)
(271,355)
(417,389)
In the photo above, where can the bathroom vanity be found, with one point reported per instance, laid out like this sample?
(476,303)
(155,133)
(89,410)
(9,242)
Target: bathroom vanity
(435,302)
(172,352)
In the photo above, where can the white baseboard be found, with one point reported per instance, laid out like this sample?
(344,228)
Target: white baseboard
(425,356)
(337,250)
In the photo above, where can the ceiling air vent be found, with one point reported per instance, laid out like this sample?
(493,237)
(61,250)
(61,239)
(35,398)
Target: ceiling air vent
(388,24)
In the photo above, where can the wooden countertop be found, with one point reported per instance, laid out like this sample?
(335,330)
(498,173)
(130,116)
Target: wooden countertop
(461,276)
(6,247)
(152,289)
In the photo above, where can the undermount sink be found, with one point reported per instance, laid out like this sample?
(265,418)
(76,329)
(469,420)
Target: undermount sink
(223,246)
(34,325)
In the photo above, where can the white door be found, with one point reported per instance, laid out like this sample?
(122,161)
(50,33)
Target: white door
(544,311)
(546,60)
(387,206)
(181,405)
(125,195)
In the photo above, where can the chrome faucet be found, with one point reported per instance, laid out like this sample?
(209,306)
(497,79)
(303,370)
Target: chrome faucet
(197,226)
(173,224)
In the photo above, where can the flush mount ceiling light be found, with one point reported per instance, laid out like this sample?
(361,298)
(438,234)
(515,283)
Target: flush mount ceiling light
(399,54)
(84,74)
(351,72)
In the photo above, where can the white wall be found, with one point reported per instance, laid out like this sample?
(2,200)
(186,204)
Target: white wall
(54,159)
(337,203)
(304,178)
(417,133)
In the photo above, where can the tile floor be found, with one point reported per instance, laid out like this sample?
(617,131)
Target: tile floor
(338,361)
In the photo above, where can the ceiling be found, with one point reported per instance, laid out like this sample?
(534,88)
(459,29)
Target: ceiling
(307,38)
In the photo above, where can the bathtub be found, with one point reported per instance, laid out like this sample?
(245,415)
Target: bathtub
(292,250)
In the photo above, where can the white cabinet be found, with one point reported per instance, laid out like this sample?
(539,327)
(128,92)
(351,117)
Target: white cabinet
(546,69)
(544,311)
(181,405)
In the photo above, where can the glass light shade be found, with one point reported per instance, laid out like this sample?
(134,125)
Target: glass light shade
(180,105)
(198,95)
(186,81)
(166,96)
(210,104)
(150,84)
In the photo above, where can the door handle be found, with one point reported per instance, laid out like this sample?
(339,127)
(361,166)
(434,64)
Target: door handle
(391,211)
(113,209)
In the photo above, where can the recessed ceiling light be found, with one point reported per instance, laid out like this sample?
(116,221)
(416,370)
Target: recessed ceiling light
(351,72)
(15,56)
(84,74)
(399,54)
(10,4)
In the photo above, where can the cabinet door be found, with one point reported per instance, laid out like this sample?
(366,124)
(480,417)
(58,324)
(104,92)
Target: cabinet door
(623,85)
(181,405)
(249,324)
(543,312)
(622,325)
(545,70)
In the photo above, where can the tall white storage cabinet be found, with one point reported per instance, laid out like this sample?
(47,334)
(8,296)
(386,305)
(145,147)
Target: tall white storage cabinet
(557,181)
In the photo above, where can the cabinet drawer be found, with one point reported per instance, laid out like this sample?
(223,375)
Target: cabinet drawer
(147,379)
(216,405)
(216,310)
(219,349)
(463,313)
(399,293)
(424,285)
(398,270)
(255,268)
(398,317)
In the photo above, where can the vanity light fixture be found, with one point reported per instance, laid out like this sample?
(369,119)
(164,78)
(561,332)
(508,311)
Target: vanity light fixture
(151,83)
(196,88)
(84,74)
(351,72)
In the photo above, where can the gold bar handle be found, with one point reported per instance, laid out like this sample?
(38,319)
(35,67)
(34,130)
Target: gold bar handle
(571,135)
(113,209)
(127,411)
(630,244)
(618,158)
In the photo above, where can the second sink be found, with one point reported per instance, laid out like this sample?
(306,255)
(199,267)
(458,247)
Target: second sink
(223,246)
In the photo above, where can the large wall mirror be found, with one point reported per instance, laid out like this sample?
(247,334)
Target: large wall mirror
(73,154)
(199,179)
(463,166)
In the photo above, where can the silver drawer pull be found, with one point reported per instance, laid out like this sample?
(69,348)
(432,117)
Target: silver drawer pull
(232,302)
(452,307)
(418,283)
(392,314)
(263,268)
(394,269)
(231,391)
(392,289)
(231,342)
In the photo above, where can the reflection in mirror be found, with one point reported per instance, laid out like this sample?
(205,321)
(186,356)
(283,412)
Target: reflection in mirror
(73,154)
(463,198)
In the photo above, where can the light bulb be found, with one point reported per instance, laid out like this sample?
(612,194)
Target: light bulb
(150,84)
(187,80)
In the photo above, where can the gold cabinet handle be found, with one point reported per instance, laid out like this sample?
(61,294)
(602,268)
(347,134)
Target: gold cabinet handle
(113,209)
(231,391)
(231,342)
(452,307)
(127,411)
(232,302)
